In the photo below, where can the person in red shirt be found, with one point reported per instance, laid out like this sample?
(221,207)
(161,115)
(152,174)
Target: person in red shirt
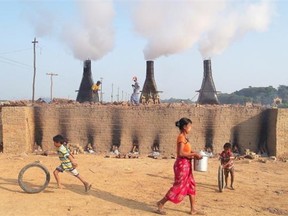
(184,182)
(226,158)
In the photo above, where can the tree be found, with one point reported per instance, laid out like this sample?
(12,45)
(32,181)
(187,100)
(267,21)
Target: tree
(283,93)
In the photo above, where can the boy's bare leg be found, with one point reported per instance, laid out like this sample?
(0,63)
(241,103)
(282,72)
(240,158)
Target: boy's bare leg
(85,183)
(232,178)
(56,175)
(226,178)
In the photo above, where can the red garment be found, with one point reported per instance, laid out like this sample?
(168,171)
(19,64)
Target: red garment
(184,183)
(226,159)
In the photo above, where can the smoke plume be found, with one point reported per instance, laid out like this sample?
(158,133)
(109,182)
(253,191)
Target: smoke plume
(234,26)
(174,26)
(43,23)
(89,34)
(94,37)
(41,19)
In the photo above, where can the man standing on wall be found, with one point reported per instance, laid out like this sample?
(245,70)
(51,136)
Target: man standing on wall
(95,89)
(136,91)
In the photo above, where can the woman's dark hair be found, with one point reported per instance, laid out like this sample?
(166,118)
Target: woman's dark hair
(59,139)
(182,122)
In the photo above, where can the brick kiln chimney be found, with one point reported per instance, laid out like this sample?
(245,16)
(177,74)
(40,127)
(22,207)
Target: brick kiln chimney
(85,92)
(207,93)
(149,90)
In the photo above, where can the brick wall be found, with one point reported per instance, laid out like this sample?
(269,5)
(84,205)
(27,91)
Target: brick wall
(104,126)
(1,129)
(18,129)
(282,132)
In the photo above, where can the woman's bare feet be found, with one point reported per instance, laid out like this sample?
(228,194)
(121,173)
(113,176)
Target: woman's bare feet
(160,209)
(159,205)
(197,212)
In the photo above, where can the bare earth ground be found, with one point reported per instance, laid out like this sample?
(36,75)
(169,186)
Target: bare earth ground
(132,187)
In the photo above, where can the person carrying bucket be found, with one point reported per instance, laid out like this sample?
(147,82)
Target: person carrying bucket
(201,165)
(184,183)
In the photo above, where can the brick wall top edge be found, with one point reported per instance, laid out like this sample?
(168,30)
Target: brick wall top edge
(141,107)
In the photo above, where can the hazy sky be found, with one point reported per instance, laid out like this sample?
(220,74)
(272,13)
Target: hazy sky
(245,40)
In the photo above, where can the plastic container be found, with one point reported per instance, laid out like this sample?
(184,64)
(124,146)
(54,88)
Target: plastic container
(201,165)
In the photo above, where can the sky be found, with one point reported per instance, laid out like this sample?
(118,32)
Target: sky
(246,41)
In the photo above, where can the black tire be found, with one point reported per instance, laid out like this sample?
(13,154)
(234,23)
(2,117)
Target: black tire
(29,189)
(220,178)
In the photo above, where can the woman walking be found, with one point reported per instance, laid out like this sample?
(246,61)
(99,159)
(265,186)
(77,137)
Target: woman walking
(184,183)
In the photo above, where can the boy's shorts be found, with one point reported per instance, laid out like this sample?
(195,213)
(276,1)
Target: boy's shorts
(228,170)
(73,171)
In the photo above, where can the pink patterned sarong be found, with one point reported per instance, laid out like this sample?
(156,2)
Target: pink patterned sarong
(184,183)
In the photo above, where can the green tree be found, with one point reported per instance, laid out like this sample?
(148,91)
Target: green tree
(283,93)
(263,95)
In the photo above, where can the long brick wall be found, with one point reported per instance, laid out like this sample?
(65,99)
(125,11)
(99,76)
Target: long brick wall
(107,125)
(282,132)
(17,129)
(1,129)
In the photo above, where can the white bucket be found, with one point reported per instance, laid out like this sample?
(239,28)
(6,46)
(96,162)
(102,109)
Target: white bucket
(201,165)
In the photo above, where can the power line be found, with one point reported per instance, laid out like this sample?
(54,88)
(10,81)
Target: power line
(13,62)
(14,51)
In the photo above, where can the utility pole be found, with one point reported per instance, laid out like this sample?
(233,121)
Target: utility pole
(51,83)
(118,95)
(34,63)
(101,90)
(112,94)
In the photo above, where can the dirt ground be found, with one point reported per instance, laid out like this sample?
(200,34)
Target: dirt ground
(132,187)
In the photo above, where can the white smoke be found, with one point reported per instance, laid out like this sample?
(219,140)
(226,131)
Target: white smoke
(42,20)
(170,26)
(174,26)
(94,37)
(234,26)
(89,34)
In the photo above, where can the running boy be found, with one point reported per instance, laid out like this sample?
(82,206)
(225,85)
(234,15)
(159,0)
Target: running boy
(227,161)
(68,162)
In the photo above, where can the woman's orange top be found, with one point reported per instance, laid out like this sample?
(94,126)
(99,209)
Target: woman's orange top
(182,139)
